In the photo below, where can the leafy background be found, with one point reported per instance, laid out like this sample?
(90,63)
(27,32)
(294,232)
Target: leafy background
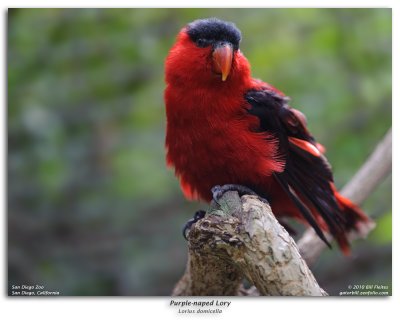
(92,209)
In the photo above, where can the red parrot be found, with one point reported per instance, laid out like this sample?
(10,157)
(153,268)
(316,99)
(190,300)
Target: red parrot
(226,128)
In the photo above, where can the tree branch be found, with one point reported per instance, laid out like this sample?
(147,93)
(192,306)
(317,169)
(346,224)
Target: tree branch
(377,167)
(242,238)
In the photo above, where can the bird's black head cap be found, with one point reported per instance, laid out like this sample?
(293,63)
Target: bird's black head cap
(206,32)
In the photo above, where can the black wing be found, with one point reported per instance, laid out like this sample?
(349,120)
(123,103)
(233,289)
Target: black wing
(307,175)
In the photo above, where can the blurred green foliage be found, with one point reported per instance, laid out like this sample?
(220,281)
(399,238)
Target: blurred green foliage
(92,208)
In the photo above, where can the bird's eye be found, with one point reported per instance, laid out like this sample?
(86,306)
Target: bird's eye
(202,42)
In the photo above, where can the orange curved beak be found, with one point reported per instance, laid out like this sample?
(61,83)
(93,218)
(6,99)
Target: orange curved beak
(222,60)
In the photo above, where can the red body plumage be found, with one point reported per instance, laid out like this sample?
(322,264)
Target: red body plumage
(212,139)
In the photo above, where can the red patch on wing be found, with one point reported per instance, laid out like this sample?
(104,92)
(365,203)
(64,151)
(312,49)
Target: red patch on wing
(320,147)
(305,145)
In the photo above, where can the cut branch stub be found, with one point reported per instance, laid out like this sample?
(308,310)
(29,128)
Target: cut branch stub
(239,238)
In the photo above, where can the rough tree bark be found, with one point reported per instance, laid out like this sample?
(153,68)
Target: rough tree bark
(240,238)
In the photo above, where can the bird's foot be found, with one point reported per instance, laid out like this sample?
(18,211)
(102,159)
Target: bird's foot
(218,191)
(197,216)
